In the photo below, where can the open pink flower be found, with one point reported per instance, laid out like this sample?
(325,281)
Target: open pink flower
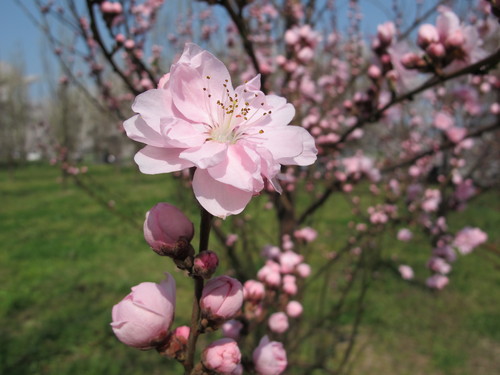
(236,138)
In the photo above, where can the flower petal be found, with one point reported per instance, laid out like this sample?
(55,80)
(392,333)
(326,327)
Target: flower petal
(282,112)
(284,143)
(238,169)
(140,131)
(207,155)
(154,160)
(188,96)
(217,198)
(184,134)
(309,151)
(154,106)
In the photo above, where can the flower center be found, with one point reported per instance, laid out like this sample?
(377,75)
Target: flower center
(233,119)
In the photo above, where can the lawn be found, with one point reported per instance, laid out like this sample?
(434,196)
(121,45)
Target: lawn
(65,260)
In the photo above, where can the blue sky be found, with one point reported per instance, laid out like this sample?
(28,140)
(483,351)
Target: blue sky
(21,37)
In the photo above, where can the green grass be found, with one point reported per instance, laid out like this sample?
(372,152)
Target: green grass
(65,260)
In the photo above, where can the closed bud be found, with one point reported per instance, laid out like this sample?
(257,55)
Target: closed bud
(436,51)
(269,357)
(222,298)
(177,344)
(142,319)
(294,309)
(427,34)
(412,61)
(254,291)
(455,40)
(278,322)
(386,33)
(205,264)
(168,231)
(374,72)
(222,356)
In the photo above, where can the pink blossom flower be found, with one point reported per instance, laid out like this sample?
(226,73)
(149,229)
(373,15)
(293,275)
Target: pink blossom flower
(464,40)
(222,298)
(253,290)
(289,260)
(303,270)
(294,309)
(443,120)
(278,322)
(427,34)
(456,134)
(432,199)
(439,265)
(270,274)
(469,238)
(386,32)
(269,357)
(446,252)
(405,234)
(235,138)
(307,234)
(406,272)
(142,319)
(437,281)
(222,356)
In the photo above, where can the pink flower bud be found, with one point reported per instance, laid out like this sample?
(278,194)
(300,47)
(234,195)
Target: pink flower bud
(405,235)
(253,291)
(168,231)
(386,32)
(205,264)
(269,357)
(232,329)
(117,8)
(305,54)
(107,7)
(278,322)
(304,270)
(129,44)
(142,319)
(406,272)
(411,60)
(307,234)
(374,72)
(456,134)
(427,34)
(436,51)
(437,282)
(455,40)
(222,298)
(120,38)
(222,356)
(294,309)
(289,260)
(177,343)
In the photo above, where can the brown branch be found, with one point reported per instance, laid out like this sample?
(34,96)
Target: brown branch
(444,146)
(205,226)
(479,67)
(418,20)
(106,53)
(239,21)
